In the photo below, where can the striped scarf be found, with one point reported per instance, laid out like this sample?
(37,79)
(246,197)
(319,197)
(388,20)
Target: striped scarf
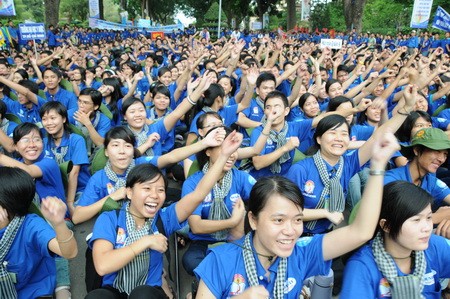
(332,196)
(4,126)
(219,210)
(141,138)
(112,176)
(136,271)
(280,139)
(409,286)
(252,275)
(89,143)
(59,156)
(7,288)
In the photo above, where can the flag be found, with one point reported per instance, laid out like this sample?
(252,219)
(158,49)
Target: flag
(441,19)
(421,13)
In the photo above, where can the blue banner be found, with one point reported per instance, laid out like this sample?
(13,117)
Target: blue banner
(7,8)
(441,19)
(421,13)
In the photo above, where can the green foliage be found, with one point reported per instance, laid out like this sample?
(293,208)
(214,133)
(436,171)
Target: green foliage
(386,16)
(72,10)
(320,16)
(23,11)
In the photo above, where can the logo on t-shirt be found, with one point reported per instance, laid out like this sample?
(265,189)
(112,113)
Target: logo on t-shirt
(120,239)
(235,197)
(290,284)
(238,285)
(385,289)
(309,186)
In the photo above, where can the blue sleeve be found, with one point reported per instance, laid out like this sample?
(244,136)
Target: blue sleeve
(93,191)
(229,114)
(440,249)
(105,228)
(210,270)
(170,219)
(78,150)
(42,234)
(103,126)
(309,254)
(358,281)
(440,191)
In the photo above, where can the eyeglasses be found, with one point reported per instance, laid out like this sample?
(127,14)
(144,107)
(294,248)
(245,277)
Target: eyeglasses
(35,140)
(85,103)
(214,125)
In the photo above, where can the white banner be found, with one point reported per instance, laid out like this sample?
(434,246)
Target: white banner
(94,9)
(7,8)
(421,13)
(335,43)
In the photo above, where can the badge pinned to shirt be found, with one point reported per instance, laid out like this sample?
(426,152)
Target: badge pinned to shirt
(110,188)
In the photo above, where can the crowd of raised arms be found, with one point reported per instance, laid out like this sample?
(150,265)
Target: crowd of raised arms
(273,138)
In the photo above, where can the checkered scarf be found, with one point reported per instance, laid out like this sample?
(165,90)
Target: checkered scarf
(89,143)
(219,210)
(112,176)
(59,156)
(410,286)
(4,126)
(332,196)
(280,140)
(250,269)
(7,288)
(136,271)
(141,138)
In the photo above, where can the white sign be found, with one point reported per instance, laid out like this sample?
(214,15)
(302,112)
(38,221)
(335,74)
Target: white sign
(421,13)
(31,31)
(335,43)
(256,25)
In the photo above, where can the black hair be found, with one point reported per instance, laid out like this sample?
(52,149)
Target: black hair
(403,134)
(160,88)
(24,129)
(163,70)
(23,73)
(130,101)
(337,101)
(95,95)
(53,70)
(209,96)
(16,191)
(277,94)
(401,201)
(116,95)
(82,72)
(143,173)
(362,116)
(32,86)
(232,84)
(59,108)
(263,77)
(3,109)
(266,187)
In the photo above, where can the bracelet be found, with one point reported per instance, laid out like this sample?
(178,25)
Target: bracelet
(134,252)
(66,241)
(190,101)
(377,172)
(406,112)
(262,132)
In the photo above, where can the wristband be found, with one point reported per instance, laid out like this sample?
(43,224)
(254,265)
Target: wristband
(190,101)
(377,172)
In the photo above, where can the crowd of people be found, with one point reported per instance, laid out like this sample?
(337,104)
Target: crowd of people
(273,138)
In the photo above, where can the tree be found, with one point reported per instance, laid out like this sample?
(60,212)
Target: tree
(291,17)
(262,6)
(74,9)
(237,9)
(52,12)
(353,12)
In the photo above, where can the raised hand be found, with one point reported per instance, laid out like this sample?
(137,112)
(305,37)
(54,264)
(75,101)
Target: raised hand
(364,104)
(53,209)
(214,138)
(384,147)
(410,95)
(231,143)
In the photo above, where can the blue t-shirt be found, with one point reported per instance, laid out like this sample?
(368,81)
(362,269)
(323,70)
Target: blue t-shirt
(430,183)
(223,270)
(31,260)
(301,129)
(25,115)
(76,152)
(240,189)
(306,176)
(113,229)
(102,127)
(67,98)
(362,279)
(254,111)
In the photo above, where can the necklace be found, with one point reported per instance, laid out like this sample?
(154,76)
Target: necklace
(401,258)
(138,217)
(268,257)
